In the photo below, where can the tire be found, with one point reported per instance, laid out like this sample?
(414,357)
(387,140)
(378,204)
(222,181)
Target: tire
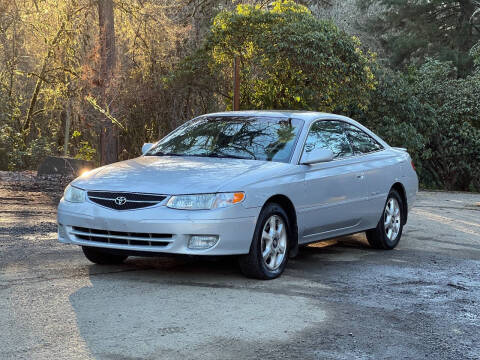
(388,232)
(273,231)
(100,257)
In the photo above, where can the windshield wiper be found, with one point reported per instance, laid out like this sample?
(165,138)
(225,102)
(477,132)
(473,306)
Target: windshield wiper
(213,155)
(227,156)
(166,154)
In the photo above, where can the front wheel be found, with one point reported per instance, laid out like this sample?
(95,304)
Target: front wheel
(388,232)
(268,254)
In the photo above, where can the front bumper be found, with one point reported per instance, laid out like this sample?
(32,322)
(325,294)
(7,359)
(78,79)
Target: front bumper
(234,227)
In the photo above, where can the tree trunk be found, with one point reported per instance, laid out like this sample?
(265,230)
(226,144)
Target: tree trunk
(236,84)
(13,63)
(33,100)
(68,117)
(108,134)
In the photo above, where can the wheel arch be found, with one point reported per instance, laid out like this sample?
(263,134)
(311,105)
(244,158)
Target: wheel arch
(287,205)
(398,186)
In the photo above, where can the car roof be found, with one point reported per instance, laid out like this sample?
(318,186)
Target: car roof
(298,114)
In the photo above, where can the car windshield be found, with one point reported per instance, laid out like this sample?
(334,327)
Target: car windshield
(240,137)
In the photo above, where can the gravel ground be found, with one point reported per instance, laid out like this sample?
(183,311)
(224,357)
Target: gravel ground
(343,301)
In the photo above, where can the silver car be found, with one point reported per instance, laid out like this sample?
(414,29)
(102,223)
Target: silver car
(256,184)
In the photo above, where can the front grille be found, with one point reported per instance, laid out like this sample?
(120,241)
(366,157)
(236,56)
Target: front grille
(121,238)
(123,200)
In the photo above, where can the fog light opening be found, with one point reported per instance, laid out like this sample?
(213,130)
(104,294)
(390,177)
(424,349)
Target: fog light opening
(202,241)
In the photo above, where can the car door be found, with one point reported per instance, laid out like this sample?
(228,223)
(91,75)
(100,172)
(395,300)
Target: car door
(378,167)
(335,191)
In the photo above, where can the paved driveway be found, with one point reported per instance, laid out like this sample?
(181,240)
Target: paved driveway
(343,301)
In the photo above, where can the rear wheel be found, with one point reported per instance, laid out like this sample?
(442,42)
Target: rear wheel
(99,256)
(268,254)
(388,232)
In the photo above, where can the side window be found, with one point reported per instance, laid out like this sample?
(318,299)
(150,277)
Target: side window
(330,135)
(362,143)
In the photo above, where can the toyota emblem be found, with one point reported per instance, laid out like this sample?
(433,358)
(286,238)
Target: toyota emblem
(120,200)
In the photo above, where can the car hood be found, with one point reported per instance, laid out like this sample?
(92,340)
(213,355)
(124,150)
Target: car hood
(168,174)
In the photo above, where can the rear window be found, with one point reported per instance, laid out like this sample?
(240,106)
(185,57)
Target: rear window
(362,143)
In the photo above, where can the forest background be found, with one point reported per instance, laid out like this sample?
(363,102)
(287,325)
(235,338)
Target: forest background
(95,79)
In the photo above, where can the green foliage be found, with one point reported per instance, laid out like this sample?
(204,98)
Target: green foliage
(170,70)
(435,116)
(12,142)
(412,30)
(49,70)
(38,149)
(289,60)
(21,156)
(475,54)
(84,150)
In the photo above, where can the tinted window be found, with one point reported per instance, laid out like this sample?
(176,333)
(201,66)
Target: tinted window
(329,135)
(245,137)
(360,140)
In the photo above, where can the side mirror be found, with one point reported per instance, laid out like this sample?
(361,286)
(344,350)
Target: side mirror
(146,147)
(316,156)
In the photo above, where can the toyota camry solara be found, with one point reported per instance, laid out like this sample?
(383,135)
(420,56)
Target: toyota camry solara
(255,184)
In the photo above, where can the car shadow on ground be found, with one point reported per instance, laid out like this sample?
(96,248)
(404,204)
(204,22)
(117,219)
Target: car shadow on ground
(201,266)
(173,307)
(177,306)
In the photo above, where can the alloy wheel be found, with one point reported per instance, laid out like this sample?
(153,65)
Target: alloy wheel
(274,242)
(392,219)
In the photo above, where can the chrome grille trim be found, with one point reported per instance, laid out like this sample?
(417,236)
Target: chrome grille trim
(132,200)
(150,238)
(118,238)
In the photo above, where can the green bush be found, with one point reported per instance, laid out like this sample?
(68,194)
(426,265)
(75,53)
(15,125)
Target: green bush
(82,148)
(20,156)
(288,58)
(13,143)
(436,116)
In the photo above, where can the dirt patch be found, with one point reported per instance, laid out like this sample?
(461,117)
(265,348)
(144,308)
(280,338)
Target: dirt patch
(28,181)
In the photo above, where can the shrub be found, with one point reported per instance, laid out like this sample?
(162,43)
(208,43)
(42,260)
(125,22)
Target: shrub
(289,60)
(436,117)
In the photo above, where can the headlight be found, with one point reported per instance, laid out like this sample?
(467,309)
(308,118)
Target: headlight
(74,194)
(205,201)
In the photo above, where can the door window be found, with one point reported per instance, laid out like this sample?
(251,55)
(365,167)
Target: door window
(328,135)
(362,143)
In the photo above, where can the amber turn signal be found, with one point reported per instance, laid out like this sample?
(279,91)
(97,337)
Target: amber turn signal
(238,197)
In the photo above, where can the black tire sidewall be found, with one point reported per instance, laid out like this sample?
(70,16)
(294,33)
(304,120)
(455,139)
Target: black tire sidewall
(268,211)
(386,242)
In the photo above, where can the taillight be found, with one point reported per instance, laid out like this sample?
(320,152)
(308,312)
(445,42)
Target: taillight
(413,166)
